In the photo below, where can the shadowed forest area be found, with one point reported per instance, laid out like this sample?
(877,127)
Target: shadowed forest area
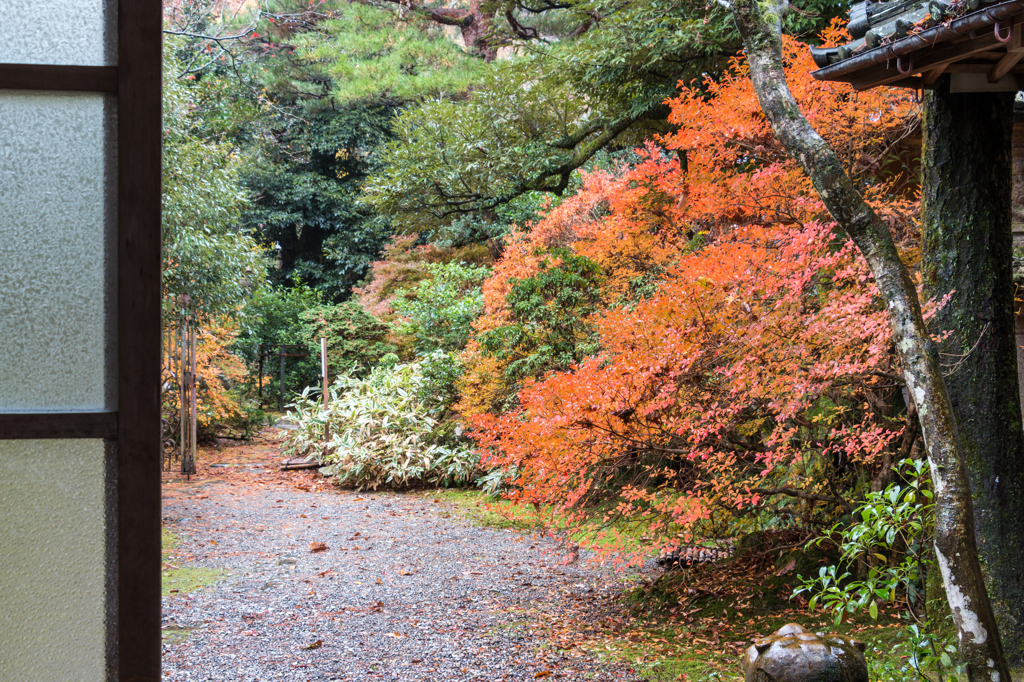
(577,296)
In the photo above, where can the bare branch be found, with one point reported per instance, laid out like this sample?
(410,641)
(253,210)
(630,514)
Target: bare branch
(804,495)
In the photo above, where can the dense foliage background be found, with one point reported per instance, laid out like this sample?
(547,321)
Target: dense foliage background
(556,250)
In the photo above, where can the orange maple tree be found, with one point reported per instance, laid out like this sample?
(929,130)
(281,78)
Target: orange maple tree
(222,408)
(755,367)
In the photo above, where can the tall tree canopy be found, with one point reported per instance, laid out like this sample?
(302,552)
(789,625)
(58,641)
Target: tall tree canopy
(537,89)
(305,176)
(208,260)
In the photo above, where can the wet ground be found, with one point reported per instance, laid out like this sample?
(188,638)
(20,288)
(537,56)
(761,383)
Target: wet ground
(328,584)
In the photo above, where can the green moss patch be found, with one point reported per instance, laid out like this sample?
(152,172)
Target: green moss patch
(176,577)
(479,508)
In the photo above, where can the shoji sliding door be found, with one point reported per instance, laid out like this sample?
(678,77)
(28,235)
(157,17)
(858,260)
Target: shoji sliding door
(79,340)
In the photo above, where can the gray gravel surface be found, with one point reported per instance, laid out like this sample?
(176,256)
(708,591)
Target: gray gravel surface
(405,590)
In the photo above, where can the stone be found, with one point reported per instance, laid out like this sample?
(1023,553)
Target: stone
(794,655)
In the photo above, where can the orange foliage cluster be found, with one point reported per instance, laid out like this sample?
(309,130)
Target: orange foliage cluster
(739,172)
(761,361)
(219,377)
(628,224)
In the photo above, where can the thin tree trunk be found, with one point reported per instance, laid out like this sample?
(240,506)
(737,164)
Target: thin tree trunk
(476,34)
(967,243)
(759,24)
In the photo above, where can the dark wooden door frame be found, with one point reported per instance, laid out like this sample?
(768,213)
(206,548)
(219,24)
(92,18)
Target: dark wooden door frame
(134,429)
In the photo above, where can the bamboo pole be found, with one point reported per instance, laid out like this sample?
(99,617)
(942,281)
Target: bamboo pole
(182,398)
(192,415)
(326,392)
(280,395)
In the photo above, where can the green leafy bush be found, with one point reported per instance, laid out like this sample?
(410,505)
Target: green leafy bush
(209,265)
(272,316)
(441,371)
(550,310)
(891,537)
(355,339)
(382,433)
(439,311)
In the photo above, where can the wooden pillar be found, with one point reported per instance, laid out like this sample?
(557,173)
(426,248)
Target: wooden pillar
(1018,236)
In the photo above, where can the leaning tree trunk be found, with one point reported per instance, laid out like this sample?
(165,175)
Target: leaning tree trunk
(967,243)
(759,24)
(477,33)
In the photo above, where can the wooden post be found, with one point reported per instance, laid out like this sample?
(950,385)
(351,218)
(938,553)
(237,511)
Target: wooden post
(280,395)
(188,400)
(183,398)
(192,416)
(326,392)
(259,350)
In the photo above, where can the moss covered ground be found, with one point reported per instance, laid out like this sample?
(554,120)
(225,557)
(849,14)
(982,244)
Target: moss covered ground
(695,624)
(176,576)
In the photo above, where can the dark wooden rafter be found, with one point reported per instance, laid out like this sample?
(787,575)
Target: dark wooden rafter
(931,76)
(58,78)
(63,425)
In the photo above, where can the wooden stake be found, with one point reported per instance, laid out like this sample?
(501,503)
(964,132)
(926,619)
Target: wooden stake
(326,392)
(183,398)
(192,416)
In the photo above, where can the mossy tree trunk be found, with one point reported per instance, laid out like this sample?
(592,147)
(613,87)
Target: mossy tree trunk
(967,249)
(956,552)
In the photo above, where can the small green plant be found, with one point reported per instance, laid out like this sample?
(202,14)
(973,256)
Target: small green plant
(271,317)
(440,370)
(550,328)
(889,542)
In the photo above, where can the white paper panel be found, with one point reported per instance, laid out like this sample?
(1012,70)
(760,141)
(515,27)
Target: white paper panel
(57,252)
(73,32)
(53,560)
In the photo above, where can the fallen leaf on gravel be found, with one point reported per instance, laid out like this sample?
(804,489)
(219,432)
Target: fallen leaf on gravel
(317,547)
(542,673)
(403,572)
(417,660)
(302,516)
(315,645)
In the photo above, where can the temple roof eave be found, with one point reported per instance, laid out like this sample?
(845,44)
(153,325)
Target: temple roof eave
(963,45)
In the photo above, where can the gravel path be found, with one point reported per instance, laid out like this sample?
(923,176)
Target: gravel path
(404,590)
